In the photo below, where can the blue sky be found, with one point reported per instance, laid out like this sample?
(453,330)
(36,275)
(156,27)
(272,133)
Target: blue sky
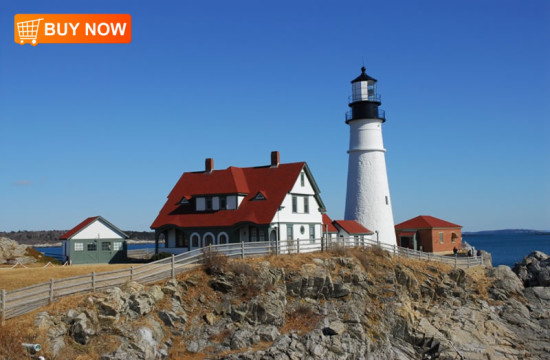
(107,129)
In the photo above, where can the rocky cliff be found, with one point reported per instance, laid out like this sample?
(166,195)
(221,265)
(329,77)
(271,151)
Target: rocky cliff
(11,252)
(358,304)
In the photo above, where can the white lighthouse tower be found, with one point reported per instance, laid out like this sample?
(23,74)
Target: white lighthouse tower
(368,194)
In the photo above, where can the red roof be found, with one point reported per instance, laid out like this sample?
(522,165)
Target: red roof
(327,224)
(78,227)
(273,182)
(425,222)
(69,234)
(352,227)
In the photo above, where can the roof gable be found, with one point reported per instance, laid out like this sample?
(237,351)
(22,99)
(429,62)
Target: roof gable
(328,226)
(273,182)
(425,222)
(80,228)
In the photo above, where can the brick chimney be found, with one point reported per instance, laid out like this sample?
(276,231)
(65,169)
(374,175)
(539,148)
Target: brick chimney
(275,159)
(209,165)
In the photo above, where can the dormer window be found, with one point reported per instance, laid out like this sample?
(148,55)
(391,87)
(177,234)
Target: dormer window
(208,203)
(302,179)
(223,202)
(259,196)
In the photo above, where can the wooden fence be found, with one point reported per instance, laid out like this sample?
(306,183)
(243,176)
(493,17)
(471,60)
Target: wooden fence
(21,301)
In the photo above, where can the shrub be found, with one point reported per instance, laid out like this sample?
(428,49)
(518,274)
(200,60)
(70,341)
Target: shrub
(302,319)
(162,255)
(378,251)
(339,250)
(213,262)
(247,280)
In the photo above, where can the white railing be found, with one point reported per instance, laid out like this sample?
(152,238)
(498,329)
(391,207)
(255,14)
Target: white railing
(21,301)
(145,253)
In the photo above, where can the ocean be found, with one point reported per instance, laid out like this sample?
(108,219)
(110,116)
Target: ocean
(507,248)
(55,251)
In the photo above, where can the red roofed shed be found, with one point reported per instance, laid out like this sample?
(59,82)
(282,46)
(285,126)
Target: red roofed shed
(430,234)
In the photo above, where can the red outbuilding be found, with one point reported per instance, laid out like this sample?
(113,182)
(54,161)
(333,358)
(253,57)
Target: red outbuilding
(429,234)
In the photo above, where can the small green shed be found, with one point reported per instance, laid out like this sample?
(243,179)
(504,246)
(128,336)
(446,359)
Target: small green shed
(95,240)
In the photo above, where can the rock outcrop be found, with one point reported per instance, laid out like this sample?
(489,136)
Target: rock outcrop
(364,305)
(11,252)
(534,269)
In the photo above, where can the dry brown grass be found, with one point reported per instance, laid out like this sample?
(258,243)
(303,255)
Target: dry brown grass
(292,261)
(302,319)
(20,277)
(481,281)
(10,343)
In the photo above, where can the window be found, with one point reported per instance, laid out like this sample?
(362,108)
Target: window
(302,229)
(78,246)
(92,247)
(208,239)
(195,240)
(105,246)
(312,233)
(200,203)
(294,204)
(223,202)
(302,179)
(253,234)
(222,238)
(262,235)
(289,234)
(259,196)
(306,204)
(441,238)
(117,246)
(387,201)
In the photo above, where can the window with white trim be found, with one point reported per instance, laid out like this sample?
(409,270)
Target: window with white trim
(78,246)
(312,233)
(117,245)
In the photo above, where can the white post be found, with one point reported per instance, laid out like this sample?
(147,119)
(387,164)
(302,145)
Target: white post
(93,281)
(297,246)
(394,249)
(173,266)
(3,309)
(132,273)
(51,290)
(242,249)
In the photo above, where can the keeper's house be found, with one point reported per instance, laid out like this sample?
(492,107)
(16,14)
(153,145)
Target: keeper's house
(263,203)
(429,234)
(95,240)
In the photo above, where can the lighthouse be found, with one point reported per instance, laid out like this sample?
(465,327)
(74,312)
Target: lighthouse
(368,193)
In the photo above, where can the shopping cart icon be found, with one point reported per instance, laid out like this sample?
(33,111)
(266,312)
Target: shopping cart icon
(28,30)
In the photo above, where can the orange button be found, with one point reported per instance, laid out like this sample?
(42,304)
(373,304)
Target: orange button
(72,28)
